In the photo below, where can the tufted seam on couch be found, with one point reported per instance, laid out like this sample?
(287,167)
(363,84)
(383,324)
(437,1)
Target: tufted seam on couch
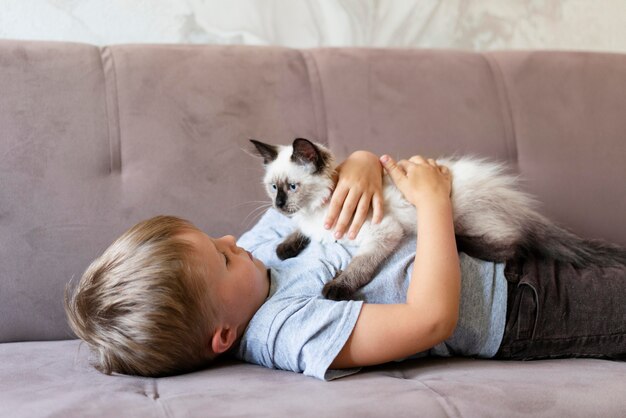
(448,407)
(151,392)
(505,106)
(112,108)
(317,96)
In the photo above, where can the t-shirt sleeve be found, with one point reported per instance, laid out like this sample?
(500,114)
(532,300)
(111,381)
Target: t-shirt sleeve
(301,334)
(310,338)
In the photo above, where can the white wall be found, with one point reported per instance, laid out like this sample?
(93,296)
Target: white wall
(463,24)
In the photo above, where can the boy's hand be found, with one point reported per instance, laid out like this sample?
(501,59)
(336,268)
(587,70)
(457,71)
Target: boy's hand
(418,179)
(360,185)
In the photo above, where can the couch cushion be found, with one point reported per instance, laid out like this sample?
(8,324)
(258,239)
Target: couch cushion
(54,188)
(93,140)
(569,114)
(407,101)
(55,379)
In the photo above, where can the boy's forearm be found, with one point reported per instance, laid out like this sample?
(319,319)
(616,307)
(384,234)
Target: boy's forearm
(389,332)
(435,282)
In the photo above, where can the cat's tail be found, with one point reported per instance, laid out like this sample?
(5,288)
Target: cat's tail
(550,240)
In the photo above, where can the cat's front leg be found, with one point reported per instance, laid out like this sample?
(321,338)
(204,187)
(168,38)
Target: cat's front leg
(292,245)
(363,266)
(346,282)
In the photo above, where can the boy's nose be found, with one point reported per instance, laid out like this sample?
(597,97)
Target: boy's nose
(230,239)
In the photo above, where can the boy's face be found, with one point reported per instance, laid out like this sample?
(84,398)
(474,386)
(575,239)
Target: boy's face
(237,282)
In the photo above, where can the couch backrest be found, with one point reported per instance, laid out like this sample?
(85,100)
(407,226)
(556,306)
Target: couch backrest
(93,140)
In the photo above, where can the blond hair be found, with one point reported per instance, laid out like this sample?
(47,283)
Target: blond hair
(141,306)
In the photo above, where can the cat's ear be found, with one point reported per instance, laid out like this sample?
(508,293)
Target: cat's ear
(306,152)
(267,151)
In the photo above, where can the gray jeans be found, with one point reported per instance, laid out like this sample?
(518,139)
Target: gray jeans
(555,310)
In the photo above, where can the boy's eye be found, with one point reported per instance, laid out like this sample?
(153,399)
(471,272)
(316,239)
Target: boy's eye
(293,187)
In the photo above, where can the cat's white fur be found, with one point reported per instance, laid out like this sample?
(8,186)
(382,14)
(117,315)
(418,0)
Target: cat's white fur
(493,218)
(481,191)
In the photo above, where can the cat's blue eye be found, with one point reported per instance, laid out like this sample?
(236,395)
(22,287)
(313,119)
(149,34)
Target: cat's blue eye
(273,185)
(293,187)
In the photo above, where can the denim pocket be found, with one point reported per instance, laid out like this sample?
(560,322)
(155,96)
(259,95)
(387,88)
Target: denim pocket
(528,311)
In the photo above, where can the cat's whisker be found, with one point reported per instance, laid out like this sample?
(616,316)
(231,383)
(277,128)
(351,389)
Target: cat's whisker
(261,204)
(250,202)
(247,225)
(254,213)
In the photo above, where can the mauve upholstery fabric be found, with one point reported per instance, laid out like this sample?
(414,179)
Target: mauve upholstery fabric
(93,140)
(55,379)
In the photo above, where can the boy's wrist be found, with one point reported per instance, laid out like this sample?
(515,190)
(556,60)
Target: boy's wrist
(433,212)
(363,154)
(359,163)
(367,158)
(437,201)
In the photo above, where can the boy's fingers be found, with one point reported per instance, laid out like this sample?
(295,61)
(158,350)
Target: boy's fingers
(417,159)
(359,216)
(395,171)
(347,210)
(377,204)
(336,203)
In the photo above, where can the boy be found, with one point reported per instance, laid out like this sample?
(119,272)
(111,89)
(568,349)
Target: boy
(166,298)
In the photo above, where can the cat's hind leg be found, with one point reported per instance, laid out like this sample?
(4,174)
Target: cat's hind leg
(293,245)
(478,247)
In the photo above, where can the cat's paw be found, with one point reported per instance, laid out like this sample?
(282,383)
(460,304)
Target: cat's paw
(287,250)
(337,289)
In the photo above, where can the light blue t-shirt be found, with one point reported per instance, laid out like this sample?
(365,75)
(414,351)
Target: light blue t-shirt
(297,329)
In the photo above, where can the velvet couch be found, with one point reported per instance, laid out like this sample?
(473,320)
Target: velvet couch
(93,140)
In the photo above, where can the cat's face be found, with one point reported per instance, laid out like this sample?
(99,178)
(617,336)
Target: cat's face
(297,176)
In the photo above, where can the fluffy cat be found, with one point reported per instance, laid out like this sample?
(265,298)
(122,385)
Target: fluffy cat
(493,219)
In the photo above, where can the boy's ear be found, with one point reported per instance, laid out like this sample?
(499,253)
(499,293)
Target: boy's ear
(223,339)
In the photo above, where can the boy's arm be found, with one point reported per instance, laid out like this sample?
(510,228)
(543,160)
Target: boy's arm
(388,332)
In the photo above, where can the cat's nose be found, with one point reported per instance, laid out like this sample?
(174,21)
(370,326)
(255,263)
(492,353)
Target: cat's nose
(280,201)
(281,198)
